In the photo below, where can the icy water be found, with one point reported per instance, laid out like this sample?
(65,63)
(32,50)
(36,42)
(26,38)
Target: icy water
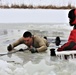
(26,63)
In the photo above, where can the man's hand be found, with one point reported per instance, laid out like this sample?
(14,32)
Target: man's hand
(33,50)
(9,48)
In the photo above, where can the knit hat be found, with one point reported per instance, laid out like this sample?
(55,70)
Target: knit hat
(72,16)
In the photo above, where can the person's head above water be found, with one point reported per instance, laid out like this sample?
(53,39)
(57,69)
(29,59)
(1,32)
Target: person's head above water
(28,39)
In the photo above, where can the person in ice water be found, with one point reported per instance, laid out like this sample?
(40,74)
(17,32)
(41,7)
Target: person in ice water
(35,43)
(71,43)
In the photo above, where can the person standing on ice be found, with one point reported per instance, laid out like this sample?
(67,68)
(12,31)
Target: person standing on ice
(71,44)
(35,43)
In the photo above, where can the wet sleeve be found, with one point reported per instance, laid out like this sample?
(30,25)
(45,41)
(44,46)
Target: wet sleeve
(18,42)
(42,45)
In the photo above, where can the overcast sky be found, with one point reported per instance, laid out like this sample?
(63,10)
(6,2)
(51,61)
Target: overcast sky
(34,15)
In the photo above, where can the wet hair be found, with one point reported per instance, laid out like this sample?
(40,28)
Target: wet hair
(27,34)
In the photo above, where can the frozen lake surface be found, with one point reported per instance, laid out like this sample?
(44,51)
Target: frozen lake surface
(26,63)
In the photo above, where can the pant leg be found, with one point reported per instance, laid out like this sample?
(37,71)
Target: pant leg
(67,46)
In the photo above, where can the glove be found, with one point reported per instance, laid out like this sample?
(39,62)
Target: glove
(33,50)
(9,48)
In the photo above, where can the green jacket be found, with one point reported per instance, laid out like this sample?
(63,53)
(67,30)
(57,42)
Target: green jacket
(38,42)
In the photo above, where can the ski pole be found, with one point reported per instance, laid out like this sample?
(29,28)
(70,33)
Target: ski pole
(20,50)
